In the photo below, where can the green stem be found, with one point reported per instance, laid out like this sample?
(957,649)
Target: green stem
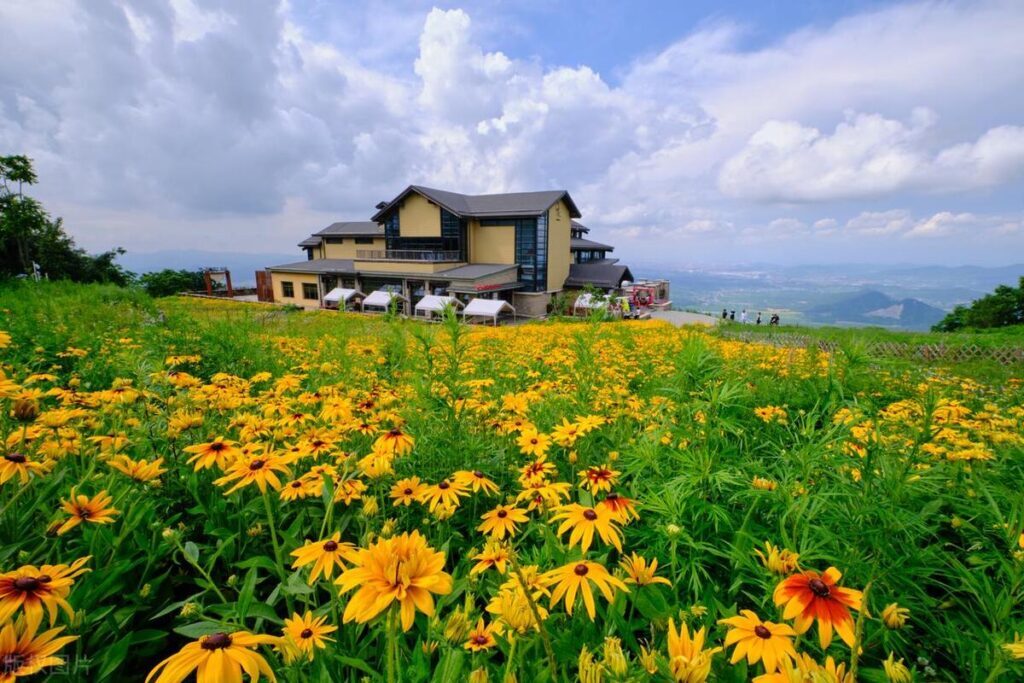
(391,664)
(205,574)
(277,547)
(511,661)
(855,650)
(545,638)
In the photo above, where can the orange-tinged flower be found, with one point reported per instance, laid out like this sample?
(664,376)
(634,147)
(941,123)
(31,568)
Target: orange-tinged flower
(324,555)
(260,469)
(599,478)
(21,466)
(809,597)
(33,589)
(308,633)
(482,637)
(81,508)
(493,555)
(502,520)
(24,652)
(584,521)
(759,640)
(217,658)
(394,441)
(623,509)
(217,452)
(576,578)
(402,569)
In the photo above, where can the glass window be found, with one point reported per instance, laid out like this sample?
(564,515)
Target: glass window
(496,222)
(309,291)
(392,230)
(287,289)
(364,240)
(531,252)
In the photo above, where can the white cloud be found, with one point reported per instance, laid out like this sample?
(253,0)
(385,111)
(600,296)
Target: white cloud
(868,155)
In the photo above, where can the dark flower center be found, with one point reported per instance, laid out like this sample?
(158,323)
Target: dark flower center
(330,546)
(218,446)
(533,441)
(256,465)
(478,474)
(395,433)
(590,515)
(761,632)
(216,641)
(581,570)
(318,443)
(612,496)
(296,484)
(502,514)
(27,584)
(44,578)
(818,587)
(306,633)
(408,492)
(444,485)
(17,458)
(11,662)
(479,640)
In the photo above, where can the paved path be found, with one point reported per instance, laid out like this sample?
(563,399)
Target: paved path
(684,318)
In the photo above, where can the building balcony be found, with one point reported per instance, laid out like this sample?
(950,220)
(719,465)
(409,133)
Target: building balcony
(417,255)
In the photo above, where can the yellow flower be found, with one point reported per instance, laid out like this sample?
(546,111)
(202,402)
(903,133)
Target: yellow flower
(401,568)
(759,640)
(1016,648)
(407,491)
(778,560)
(894,616)
(394,442)
(324,555)
(599,478)
(217,452)
(493,555)
(640,572)
(23,652)
(81,508)
(308,633)
(764,484)
(577,577)
(532,442)
(217,658)
(804,669)
(896,671)
(501,521)
(476,480)
(513,609)
(20,465)
(260,469)
(139,470)
(687,658)
(584,521)
(445,493)
(32,589)
(481,637)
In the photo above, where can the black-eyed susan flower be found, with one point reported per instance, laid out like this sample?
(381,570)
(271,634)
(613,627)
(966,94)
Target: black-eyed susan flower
(81,508)
(217,658)
(640,572)
(407,491)
(576,578)
(778,560)
(219,453)
(308,633)
(260,469)
(532,442)
(599,478)
(476,480)
(688,660)
(584,522)
(493,555)
(402,569)
(24,652)
(20,465)
(501,521)
(35,589)
(809,596)
(139,470)
(482,636)
(394,441)
(623,509)
(324,555)
(759,640)
(445,493)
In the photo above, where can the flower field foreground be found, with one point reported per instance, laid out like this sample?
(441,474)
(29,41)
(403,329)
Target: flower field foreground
(198,490)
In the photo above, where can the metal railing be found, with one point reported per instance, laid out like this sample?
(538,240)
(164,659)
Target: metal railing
(430,255)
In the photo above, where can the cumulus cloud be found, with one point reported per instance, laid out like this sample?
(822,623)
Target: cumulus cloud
(867,155)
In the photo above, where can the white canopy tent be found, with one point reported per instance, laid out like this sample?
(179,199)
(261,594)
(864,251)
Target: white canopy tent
(432,303)
(341,296)
(381,298)
(589,302)
(487,308)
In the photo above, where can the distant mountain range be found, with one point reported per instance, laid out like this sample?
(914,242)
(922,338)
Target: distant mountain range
(875,308)
(243,267)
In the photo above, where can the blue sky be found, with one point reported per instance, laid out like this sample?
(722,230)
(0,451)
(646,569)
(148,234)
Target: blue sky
(688,132)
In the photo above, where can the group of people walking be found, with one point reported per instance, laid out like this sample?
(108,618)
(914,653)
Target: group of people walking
(731,316)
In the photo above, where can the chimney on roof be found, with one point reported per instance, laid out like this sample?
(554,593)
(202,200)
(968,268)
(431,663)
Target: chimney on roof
(381,205)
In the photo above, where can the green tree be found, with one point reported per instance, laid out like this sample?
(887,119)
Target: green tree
(168,282)
(29,237)
(1001,308)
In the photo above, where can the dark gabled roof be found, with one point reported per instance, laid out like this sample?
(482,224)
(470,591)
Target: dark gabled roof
(486,205)
(321,265)
(602,275)
(580,244)
(579,226)
(474,271)
(362,228)
(311,241)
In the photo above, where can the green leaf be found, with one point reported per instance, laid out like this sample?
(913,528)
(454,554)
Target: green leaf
(198,629)
(295,585)
(192,552)
(650,602)
(450,667)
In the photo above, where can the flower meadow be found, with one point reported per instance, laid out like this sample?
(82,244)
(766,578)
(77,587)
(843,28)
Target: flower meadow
(203,490)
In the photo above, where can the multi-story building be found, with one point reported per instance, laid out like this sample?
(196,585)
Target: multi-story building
(522,247)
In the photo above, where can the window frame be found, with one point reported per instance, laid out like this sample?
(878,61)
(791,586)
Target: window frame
(306,291)
(287,289)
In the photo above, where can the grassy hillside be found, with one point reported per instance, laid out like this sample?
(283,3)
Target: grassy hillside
(620,501)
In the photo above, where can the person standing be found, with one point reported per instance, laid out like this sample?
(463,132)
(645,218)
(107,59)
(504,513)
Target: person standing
(758,321)
(725,314)
(732,316)
(743,316)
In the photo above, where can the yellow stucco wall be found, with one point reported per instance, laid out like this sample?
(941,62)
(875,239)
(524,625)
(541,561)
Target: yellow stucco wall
(495,244)
(348,248)
(387,267)
(417,217)
(297,279)
(559,256)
